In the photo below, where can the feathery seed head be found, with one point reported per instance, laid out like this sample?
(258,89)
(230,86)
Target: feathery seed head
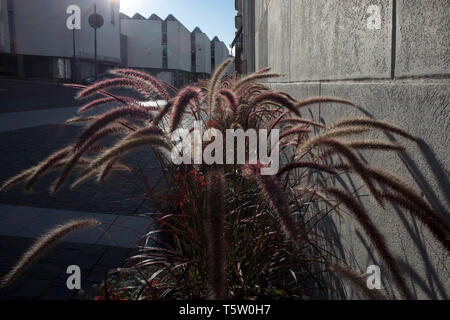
(141,113)
(183,99)
(43,244)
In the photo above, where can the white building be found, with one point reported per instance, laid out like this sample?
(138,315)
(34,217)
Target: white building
(244,43)
(219,53)
(39,43)
(177,50)
(201,54)
(36,41)
(144,41)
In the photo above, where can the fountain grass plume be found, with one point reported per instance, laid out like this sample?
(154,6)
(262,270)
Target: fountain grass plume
(21,177)
(378,124)
(263,70)
(274,97)
(25,175)
(302,120)
(87,174)
(375,145)
(97,103)
(375,237)
(45,243)
(296,130)
(150,130)
(215,190)
(411,201)
(99,135)
(81,119)
(317,100)
(437,226)
(153,82)
(47,164)
(311,165)
(110,117)
(232,102)
(354,162)
(120,99)
(241,83)
(32,174)
(274,194)
(162,113)
(183,99)
(277,120)
(126,145)
(214,82)
(136,85)
(365,145)
(334,133)
(108,168)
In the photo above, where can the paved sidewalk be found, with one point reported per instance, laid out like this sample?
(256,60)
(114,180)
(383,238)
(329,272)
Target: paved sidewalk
(115,230)
(96,251)
(27,119)
(28,137)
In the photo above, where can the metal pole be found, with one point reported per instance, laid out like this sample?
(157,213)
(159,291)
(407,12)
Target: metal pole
(95,46)
(74,66)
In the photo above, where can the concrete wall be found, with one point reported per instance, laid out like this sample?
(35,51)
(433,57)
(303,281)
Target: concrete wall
(221,52)
(144,38)
(395,68)
(46,34)
(4,27)
(248,7)
(203,53)
(178,46)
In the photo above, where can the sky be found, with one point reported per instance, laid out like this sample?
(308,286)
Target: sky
(213,17)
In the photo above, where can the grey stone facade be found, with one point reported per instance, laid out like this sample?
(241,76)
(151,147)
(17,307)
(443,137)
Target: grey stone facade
(35,42)
(392,59)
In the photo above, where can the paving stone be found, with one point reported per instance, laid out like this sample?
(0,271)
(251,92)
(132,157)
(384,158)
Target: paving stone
(113,257)
(48,271)
(22,148)
(32,289)
(58,293)
(98,274)
(94,250)
(63,256)
(86,263)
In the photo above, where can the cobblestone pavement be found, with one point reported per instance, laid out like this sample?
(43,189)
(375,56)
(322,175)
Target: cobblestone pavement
(122,195)
(17,95)
(46,280)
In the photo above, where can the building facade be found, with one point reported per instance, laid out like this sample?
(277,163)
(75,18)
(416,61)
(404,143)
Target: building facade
(36,40)
(144,42)
(168,50)
(391,58)
(219,52)
(52,40)
(244,42)
(201,54)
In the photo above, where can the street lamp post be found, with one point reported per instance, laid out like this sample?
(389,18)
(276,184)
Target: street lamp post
(95,21)
(73,23)
(74,66)
(95,46)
